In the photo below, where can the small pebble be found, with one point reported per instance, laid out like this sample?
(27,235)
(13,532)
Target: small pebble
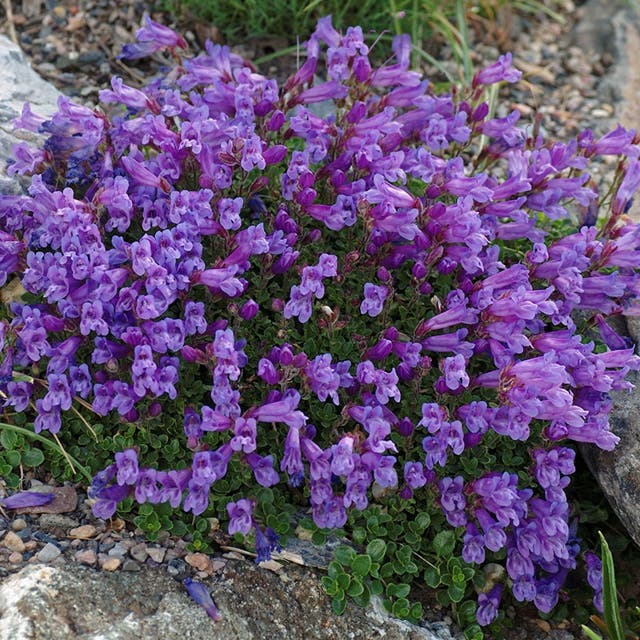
(19,524)
(84,532)
(111,563)
(118,550)
(139,552)
(130,565)
(176,567)
(15,558)
(86,556)
(156,553)
(48,553)
(13,542)
(198,561)
(30,545)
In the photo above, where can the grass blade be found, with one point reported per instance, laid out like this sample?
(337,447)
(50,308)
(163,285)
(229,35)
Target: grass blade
(609,595)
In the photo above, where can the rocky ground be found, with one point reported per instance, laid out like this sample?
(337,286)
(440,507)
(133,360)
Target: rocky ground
(569,79)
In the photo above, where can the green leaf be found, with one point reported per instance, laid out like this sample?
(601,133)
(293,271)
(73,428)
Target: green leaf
(443,598)
(330,586)
(386,570)
(319,538)
(343,580)
(376,587)
(423,520)
(456,592)
(444,542)
(474,632)
(364,598)
(145,509)
(344,555)
(416,610)
(610,604)
(591,635)
(9,439)
(338,605)
(412,538)
(400,590)
(359,535)
(334,569)
(467,611)
(32,458)
(361,564)
(178,528)
(13,458)
(376,550)
(432,577)
(400,608)
(356,587)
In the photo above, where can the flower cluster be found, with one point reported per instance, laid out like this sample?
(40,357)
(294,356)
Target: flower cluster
(363,297)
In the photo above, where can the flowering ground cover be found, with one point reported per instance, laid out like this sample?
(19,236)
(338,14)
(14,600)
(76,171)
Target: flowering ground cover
(350,297)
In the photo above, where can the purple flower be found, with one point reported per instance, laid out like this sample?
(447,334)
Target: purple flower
(199,592)
(127,466)
(151,38)
(245,431)
(197,499)
(241,516)
(26,499)
(172,485)
(594,577)
(414,475)
(263,470)
(488,604)
(266,543)
(146,488)
(107,500)
(374,297)
(499,71)
(455,372)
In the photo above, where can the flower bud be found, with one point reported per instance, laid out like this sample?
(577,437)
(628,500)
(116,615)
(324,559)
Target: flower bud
(249,309)
(155,409)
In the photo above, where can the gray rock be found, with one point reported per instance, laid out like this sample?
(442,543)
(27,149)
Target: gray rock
(49,552)
(42,602)
(18,84)
(618,471)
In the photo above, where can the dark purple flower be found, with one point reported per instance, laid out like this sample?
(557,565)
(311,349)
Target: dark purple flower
(266,543)
(199,592)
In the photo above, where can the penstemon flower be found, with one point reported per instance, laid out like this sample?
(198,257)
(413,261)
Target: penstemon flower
(355,304)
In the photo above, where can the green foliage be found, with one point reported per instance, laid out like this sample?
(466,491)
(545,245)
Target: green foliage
(398,552)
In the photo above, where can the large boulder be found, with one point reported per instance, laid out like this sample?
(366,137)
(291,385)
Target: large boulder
(71,602)
(618,471)
(19,83)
